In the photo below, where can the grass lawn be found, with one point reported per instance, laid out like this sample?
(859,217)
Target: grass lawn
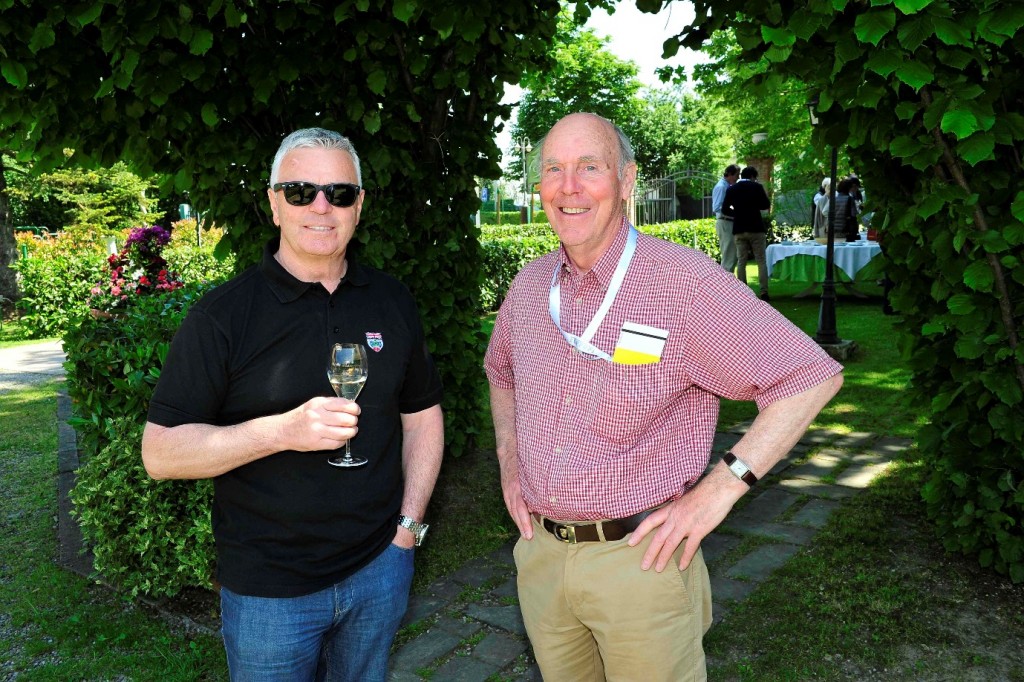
(55,625)
(873,597)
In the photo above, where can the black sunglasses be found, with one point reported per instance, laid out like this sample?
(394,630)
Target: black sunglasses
(340,194)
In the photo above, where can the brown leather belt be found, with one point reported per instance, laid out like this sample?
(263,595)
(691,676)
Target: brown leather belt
(592,531)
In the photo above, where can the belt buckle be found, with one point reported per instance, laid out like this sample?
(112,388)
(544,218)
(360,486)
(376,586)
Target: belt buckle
(565,533)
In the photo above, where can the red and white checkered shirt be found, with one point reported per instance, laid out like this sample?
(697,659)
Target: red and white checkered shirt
(600,440)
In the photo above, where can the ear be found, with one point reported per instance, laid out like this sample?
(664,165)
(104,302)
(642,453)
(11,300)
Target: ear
(272,198)
(628,181)
(358,206)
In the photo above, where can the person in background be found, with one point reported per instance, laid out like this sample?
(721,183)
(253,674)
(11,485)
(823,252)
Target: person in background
(723,223)
(819,209)
(314,562)
(606,365)
(744,202)
(846,220)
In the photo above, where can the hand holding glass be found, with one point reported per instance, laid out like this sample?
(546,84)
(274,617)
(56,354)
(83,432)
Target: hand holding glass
(347,373)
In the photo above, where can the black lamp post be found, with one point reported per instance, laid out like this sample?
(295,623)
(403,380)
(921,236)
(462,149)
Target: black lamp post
(827,334)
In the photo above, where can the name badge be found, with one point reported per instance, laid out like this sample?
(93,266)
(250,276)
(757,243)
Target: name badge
(639,344)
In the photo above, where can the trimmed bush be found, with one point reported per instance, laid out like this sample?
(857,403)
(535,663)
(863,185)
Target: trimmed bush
(113,363)
(55,284)
(148,537)
(506,249)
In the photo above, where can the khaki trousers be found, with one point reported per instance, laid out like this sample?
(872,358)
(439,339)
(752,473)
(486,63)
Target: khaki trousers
(592,614)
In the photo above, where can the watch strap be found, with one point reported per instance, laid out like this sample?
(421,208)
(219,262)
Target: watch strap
(415,527)
(738,467)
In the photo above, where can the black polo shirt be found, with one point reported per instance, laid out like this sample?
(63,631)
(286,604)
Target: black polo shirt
(291,524)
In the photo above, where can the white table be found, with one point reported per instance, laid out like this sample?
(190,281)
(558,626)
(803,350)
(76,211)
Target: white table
(850,257)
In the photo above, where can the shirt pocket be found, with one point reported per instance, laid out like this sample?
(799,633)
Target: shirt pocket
(627,398)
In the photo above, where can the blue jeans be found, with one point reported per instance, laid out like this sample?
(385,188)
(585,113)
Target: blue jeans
(342,633)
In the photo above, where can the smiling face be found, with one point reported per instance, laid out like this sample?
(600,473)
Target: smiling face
(314,237)
(581,188)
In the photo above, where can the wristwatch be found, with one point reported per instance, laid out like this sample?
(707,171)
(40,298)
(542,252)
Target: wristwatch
(740,468)
(418,529)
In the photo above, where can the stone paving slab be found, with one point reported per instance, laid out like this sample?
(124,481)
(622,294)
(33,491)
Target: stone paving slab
(715,545)
(804,486)
(785,532)
(816,468)
(508,618)
(815,513)
(464,669)
(728,589)
(767,506)
(499,649)
(861,475)
(762,562)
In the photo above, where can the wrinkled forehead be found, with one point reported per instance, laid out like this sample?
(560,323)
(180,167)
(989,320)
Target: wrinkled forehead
(579,139)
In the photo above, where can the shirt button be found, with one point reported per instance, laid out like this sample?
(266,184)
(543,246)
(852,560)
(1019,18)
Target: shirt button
(337,330)
(579,300)
(331,304)
(552,499)
(568,400)
(558,450)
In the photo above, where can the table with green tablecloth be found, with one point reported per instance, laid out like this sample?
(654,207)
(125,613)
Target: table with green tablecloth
(855,262)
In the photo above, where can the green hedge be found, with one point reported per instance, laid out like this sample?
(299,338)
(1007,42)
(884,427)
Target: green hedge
(113,364)
(510,217)
(55,290)
(147,537)
(506,249)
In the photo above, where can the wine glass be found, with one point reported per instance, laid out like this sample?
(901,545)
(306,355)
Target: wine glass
(347,372)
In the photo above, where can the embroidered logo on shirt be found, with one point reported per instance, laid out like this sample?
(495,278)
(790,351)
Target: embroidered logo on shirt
(374,341)
(639,344)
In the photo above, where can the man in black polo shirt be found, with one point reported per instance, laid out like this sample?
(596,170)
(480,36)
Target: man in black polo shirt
(315,562)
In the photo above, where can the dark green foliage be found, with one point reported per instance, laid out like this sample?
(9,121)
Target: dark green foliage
(148,537)
(113,363)
(926,96)
(205,92)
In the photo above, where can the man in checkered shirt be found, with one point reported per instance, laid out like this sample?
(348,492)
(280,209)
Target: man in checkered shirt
(606,365)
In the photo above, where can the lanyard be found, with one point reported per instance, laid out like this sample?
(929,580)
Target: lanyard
(582,343)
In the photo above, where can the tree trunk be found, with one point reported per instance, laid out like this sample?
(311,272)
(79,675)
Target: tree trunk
(8,247)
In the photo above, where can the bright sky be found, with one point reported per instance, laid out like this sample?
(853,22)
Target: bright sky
(635,36)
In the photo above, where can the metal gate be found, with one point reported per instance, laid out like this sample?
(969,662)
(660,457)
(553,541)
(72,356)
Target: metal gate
(680,196)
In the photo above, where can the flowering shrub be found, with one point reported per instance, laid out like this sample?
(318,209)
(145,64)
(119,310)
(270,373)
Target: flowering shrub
(138,269)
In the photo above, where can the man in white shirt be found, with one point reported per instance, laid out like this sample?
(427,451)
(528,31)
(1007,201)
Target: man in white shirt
(723,223)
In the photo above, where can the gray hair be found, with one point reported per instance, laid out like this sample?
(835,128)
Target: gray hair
(313,138)
(626,155)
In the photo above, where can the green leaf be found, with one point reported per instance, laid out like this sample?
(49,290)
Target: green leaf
(371,122)
(904,146)
(873,25)
(1017,207)
(960,123)
(961,304)
(202,41)
(1007,20)
(209,114)
(42,37)
(911,6)
(780,36)
(912,34)
(89,14)
(14,73)
(951,32)
(978,276)
(977,148)
(404,9)
(930,205)
(377,82)
(914,73)
(884,62)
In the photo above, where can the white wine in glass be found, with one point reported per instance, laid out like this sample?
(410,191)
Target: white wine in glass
(347,372)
